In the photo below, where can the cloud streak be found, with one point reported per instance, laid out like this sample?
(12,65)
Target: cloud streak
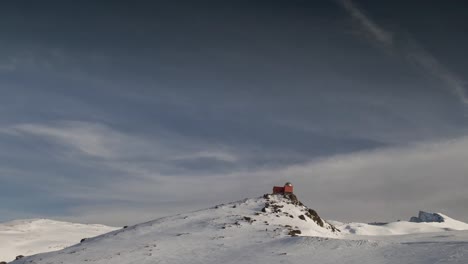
(391,183)
(413,52)
(375,31)
(344,187)
(103,142)
(430,64)
(91,139)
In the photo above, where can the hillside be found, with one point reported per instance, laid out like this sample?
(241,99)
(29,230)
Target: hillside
(32,236)
(268,229)
(202,233)
(443,223)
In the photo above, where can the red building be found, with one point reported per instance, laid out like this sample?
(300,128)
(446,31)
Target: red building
(287,188)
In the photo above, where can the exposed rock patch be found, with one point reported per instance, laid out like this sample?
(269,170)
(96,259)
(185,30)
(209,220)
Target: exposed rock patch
(425,217)
(294,232)
(312,214)
(271,206)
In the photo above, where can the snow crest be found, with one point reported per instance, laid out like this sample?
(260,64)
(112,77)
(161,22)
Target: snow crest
(268,229)
(32,236)
(424,223)
(203,232)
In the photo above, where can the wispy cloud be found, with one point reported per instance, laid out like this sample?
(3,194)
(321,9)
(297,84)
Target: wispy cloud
(91,139)
(420,57)
(344,187)
(376,32)
(129,169)
(412,51)
(428,176)
(215,154)
(101,141)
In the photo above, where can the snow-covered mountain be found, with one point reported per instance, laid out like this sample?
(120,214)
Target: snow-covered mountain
(268,229)
(32,236)
(424,223)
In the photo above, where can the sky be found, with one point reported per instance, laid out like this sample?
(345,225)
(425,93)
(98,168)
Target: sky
(119,112)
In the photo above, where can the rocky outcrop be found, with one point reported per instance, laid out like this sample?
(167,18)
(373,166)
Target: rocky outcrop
(294,232)
(309,214)
(425,217)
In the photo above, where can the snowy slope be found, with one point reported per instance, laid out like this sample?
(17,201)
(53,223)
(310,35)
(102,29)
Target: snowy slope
(260,230)
(404,227)
(206,234)
(27,237)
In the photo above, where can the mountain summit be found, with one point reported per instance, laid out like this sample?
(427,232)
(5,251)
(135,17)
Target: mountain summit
(201,234)
(274,228)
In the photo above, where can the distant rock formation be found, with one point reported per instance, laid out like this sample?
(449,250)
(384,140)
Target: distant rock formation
(425,217)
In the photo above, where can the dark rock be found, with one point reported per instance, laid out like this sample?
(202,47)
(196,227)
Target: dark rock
(125,227)
(427,218)
(19,257)
(293,198)
(249,219)
(275,207)
(3,262)
(82,240)
(294,232)
(312,214)
(378,223)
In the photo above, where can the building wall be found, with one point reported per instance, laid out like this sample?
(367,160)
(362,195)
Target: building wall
(278,189)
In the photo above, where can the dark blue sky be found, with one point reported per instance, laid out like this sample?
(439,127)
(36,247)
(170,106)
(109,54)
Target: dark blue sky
(118,112)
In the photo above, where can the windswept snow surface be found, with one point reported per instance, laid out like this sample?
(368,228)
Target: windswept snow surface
(404,227)
(243,233)
(27,237)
